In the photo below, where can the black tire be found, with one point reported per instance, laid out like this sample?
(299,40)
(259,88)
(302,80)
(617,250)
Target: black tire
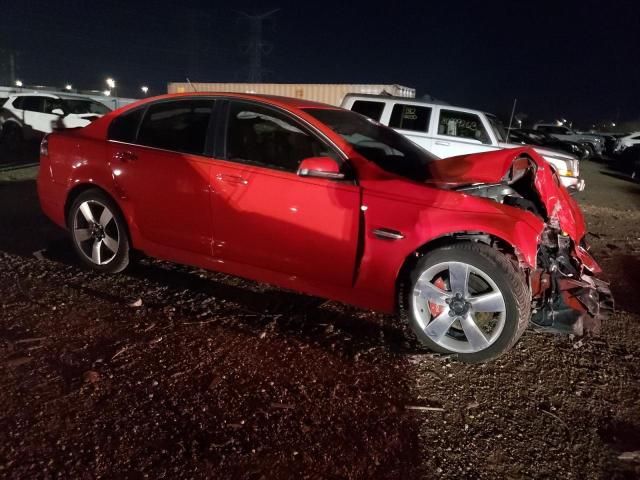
(12,137)
(502,271)
(590,151)
(116,262)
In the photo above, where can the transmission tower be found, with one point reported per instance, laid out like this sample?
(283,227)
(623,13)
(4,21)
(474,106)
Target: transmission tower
(256,47)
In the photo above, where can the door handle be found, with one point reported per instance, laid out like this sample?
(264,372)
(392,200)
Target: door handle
(236,179)
(440,142)
(125,156)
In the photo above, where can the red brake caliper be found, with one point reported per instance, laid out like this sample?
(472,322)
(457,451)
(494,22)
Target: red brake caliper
(433,308)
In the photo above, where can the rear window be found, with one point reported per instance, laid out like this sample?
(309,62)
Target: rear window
(124,128)
(410,117)
(33,104)
(369,109)
(179,126)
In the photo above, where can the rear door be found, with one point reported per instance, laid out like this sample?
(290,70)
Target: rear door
(160,163)
(267,216)
(460,133)
(413,122)
(34,115)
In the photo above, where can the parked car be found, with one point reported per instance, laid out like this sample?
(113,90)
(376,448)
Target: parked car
(448,131)
(32,115)
(321,200)
(594,143)
(628,161)
(534,137)
(627,141)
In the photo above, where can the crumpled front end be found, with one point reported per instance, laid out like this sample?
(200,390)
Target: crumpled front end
(567,296)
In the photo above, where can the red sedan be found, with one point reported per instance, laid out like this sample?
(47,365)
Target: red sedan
(324,201)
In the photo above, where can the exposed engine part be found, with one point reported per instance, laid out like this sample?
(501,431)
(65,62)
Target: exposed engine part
(575,306)
(516,190)
(566,298)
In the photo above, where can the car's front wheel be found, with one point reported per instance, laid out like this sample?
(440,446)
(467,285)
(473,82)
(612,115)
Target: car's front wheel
(468,299)
(98,232)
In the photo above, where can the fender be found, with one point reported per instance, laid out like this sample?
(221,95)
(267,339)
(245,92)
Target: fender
(437,214)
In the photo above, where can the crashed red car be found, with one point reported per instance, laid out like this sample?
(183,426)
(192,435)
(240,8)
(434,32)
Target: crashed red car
(321,200)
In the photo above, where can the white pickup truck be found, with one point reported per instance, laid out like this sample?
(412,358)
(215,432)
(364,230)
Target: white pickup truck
(448,131)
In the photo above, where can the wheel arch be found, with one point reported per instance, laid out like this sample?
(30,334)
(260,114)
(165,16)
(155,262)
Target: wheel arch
(490,239)
(79,189)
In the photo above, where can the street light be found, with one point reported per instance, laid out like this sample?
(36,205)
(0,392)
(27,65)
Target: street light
(144,89)
(111,83)
(107,93)
(19,83)
(68,87)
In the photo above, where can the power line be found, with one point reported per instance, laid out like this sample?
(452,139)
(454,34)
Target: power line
(256,47)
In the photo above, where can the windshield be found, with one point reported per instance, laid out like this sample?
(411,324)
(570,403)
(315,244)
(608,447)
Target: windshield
(85,106)
(377,143)
(498,128)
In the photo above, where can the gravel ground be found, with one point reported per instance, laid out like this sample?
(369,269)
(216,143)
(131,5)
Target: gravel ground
(173,372)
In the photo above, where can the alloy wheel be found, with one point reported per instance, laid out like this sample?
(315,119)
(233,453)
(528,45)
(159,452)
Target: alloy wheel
(459,307)
(96,232)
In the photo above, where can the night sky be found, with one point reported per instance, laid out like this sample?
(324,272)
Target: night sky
(574,59)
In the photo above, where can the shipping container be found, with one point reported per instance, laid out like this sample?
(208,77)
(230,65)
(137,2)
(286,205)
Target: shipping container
(317,92)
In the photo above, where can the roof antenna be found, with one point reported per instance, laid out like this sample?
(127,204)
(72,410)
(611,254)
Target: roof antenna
(513,110)
(189,82)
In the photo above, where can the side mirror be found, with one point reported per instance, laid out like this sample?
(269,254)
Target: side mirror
(320,167)
(58,111)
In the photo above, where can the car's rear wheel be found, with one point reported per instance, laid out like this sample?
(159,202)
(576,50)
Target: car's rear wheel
(98,232)
(467,299)
(590,151)
(12,137)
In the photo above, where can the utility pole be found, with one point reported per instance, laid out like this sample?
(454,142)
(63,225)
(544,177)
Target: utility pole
(193,43)
(255,47)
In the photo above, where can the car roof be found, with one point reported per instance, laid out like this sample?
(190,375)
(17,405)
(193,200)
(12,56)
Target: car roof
(272,99)
(35,94)
(50,95)
(415,101)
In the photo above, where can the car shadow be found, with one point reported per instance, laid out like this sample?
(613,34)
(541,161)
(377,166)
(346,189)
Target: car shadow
(26,231)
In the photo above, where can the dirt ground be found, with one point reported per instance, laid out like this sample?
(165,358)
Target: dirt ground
(173,372)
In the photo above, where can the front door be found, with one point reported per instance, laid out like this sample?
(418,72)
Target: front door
(163,172)
(267,216)
(460,133)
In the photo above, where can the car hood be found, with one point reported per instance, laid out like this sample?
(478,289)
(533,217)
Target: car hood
(491,167)
(543,151)
(85,116)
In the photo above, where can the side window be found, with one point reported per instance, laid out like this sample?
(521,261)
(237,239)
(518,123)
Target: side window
(50,104)
(369,109)
(18,102)
(462,125)
(267,138)
(179,126)
(410,117)
(637,137)
(124,128)
(33,104)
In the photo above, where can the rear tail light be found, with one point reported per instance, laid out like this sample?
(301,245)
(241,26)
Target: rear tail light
(44,147)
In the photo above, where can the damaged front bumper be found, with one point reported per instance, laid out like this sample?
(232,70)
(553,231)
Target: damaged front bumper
(567,297)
